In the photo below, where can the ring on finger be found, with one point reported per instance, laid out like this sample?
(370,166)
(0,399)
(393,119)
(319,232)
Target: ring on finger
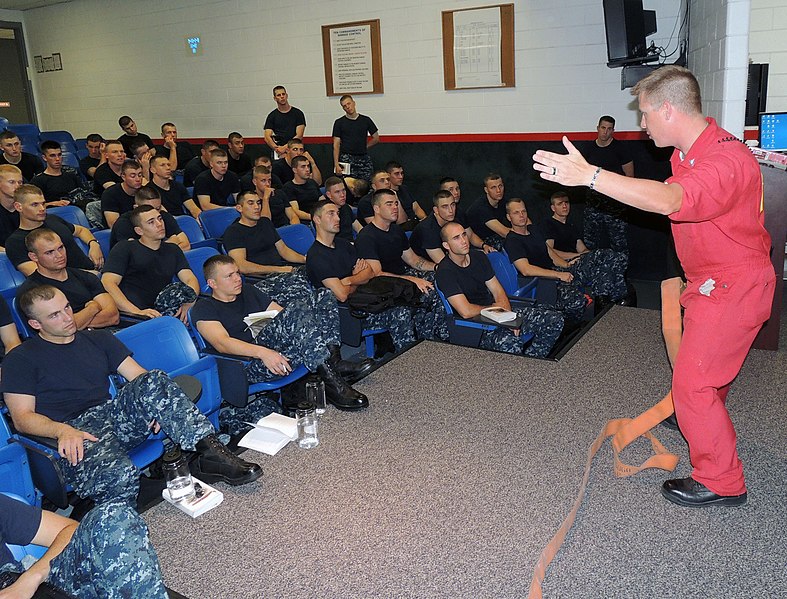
(554,170)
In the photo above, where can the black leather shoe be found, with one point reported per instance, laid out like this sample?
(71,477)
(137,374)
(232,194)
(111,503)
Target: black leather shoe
(690,493)
(351,370)
(338,392)
(216,463)
(671,422)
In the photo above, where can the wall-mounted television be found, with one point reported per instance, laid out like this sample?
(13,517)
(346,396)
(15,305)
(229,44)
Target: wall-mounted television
(773,131)
(627,25)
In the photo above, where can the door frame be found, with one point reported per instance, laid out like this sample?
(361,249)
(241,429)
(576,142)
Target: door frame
(19,36)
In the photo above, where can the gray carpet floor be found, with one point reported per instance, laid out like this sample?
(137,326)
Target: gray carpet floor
(454,479)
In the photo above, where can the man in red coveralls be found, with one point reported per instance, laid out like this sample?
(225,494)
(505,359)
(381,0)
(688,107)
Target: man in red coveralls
(714,202)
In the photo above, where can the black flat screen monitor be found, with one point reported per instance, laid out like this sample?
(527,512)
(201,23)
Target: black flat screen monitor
(627,25)
(773,131)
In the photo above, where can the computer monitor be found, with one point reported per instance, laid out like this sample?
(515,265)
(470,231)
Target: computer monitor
(773,131)
(627,25)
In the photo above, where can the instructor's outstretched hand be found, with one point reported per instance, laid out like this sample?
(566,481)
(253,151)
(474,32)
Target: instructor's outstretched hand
(567,169)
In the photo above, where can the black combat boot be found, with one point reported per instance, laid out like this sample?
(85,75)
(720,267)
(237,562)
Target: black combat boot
(217,463)
(349,370)
(338,392)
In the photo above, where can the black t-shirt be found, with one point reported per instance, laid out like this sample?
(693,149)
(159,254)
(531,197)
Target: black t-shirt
(79,288)
(124,228)
(406,201)
(240,165)
(172,199)
(532,246)
(610,158)
(5,314)
(80,380)
(278,207)
(564,234)
(9,222)
(104,174)
(57,187)
(470,281)
(207,185)
(426,236)
(192,170)
(86,163)
(323,262)
(231,314)
(29,164)
(282,170)
(145,271)
(183,150)
(17,252)
(385,246)
(127,140)
(19,524)
(115,199)
(306,194)
(259,242)
(365,209)
(353,133)
(346,219)
(481,212)
(284,124)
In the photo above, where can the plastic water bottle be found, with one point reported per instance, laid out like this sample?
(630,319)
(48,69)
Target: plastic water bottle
(176,472)
(306,418)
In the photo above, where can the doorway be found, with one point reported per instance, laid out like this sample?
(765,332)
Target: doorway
(16,91)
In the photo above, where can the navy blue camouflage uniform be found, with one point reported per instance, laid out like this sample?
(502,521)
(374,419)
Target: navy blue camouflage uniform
(337,262)
(544,324)
(172,297)
(301,332)
(532,247)
(603,271)
(109,555)
(77,394)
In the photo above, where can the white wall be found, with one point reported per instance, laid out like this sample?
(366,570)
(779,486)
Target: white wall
(719,57)
(768,43)
(129,57)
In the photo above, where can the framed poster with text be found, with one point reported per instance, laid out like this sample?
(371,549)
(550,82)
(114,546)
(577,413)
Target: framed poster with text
(478,47)
(352,57)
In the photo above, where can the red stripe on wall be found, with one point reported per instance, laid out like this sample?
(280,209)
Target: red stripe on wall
(472,137)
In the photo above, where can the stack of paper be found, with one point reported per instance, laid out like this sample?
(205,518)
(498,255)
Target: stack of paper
(498,314)
(196,506)
(270,434)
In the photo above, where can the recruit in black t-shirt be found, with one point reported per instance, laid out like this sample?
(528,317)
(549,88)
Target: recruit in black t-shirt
(103,175)
(353,133)
(145,271)
(470,281)
(284,124)
(323,262)
(259,242)
(57,187)
(533,247)
(219,191)
(80,380)
(231,314)
(482,212)
(565,236)
(386,247)
(240,165)
(115,199)
(172,199)
(307,194)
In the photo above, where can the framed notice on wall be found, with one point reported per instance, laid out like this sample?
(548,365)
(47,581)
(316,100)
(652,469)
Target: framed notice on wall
(478,47)
(352,57)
